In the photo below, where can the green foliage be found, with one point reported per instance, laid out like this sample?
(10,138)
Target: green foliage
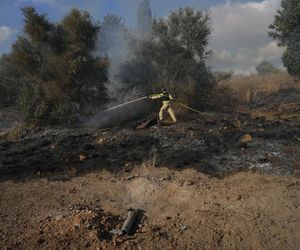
(54,70)
(285,29)
(81,32)
(172,56)
(266,68)
(291,56)
(37,27)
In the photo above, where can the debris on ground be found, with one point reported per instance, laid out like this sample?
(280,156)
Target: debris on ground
(131,217)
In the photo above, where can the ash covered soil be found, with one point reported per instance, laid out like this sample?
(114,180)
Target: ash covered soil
(228,180)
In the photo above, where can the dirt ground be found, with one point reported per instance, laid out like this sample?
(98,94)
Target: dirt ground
(223,181)
(181,210)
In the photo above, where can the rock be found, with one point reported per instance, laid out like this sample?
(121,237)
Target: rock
(128,165)
(188,183)
(58,217)
(236,123)
(129,178)
(183,227)
(101,141)
(180,183)
(165,178)
(162,232)
(246,139)
(82,157)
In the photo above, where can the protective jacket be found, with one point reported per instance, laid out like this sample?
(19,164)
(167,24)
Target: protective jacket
(165,97)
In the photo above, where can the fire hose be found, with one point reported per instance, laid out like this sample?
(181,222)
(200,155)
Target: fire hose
(145,97)
(192,109)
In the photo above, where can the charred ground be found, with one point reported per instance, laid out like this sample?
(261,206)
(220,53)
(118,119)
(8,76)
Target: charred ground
(213,144)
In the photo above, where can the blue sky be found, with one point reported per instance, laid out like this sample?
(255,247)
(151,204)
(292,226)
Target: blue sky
(238,47)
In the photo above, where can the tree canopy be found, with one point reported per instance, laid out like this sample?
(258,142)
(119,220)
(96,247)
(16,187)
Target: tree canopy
(58,77)
(265,68)
(286,30)
(174,53)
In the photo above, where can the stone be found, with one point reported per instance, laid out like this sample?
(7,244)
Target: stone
(246,139)
(188,183)
(82,157)
(183,227)
(236,123)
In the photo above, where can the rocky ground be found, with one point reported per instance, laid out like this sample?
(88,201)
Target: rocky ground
(224,180)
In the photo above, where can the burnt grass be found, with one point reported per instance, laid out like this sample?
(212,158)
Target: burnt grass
(210,144)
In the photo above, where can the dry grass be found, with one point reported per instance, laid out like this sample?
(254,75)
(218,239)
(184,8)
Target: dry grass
(15,133)
(252,89)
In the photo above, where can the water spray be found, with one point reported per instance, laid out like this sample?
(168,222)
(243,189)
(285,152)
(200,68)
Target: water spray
(126,103)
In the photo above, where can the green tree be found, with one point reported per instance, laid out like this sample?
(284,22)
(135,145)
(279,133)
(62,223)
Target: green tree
(291,56)
(286,29)
(58,77)
(265,68)
(174,54)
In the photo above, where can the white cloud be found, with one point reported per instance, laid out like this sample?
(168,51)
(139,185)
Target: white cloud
(5,33)
(240,35)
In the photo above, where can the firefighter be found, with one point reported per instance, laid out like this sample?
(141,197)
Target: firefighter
(166,98)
